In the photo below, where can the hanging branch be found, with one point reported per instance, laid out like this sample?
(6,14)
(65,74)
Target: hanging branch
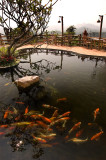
(30,16)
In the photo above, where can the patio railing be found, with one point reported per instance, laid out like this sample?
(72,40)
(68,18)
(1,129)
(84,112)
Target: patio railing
(66,40)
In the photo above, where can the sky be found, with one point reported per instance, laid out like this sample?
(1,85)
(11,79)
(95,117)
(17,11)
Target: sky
(78,12)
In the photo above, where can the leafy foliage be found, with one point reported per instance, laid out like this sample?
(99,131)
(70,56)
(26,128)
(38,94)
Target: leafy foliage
(29,17)
(6,59)
(71,30)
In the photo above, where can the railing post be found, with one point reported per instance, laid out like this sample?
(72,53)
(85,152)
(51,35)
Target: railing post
(80,40)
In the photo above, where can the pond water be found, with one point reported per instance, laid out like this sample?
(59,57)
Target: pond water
(81,80)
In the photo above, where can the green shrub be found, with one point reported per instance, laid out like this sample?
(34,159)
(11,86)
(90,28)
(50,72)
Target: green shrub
(5,59)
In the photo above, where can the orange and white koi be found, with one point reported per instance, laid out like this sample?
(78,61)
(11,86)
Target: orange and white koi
(65,114)
(61,99)
(49,136)
(55,114)
(77,125)
(95,113)
(96,136)
(48,106)
(20,123)
(77,140)
(39,139)
(59,120)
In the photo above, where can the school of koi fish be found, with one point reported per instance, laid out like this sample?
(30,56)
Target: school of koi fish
(41,128)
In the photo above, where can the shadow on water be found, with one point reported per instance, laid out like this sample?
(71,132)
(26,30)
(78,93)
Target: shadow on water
(78,78)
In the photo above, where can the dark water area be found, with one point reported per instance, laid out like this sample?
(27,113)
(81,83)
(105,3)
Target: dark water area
(78,78)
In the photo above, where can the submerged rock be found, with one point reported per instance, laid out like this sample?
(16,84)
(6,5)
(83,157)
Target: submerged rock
(27,81)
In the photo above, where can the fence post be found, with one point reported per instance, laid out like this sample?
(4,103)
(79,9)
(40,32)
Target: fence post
(79,39)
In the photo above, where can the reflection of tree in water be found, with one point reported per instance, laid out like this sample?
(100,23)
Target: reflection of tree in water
(39,68)
(20,139)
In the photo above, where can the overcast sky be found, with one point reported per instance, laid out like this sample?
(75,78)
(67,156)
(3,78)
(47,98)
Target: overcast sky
(78,12)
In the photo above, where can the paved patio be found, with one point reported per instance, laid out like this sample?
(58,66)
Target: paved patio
(80,50)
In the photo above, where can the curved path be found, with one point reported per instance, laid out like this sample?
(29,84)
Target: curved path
(77,49)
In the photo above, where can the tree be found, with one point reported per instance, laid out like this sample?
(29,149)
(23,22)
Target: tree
(71,30)
(31,17)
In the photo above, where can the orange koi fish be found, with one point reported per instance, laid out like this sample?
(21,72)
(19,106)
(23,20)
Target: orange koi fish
(78,134)
(42,124)
(32,125)
(61,99)
(26,110)
(55,114)
(96,136)
(39,139)
(4,126)
(75,127)
(45,119)
(20,102)
(34,116)
(66,137)
(59,120)
(2,133)
(65,114)
(90,124)
(17,118)
(95,113)
(6,114)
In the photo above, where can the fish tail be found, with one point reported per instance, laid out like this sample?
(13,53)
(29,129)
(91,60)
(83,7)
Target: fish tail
(70,130)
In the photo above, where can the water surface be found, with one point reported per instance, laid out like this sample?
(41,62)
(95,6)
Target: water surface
(80,79)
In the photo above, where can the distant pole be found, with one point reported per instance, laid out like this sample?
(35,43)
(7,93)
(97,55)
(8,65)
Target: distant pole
(101,26)
(101,22)
(62,27)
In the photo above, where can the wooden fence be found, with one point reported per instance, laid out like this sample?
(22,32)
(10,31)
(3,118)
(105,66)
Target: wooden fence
(66,40)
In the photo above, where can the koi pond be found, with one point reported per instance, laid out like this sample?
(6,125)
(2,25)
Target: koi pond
(63,116)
